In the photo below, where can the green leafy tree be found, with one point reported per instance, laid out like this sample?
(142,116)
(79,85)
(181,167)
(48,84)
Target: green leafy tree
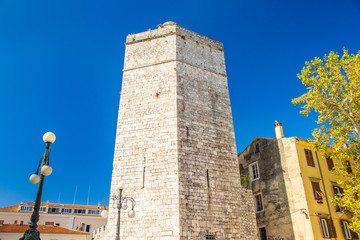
(333,85)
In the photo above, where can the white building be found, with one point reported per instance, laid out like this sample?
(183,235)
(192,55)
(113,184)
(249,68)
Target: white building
(73,217)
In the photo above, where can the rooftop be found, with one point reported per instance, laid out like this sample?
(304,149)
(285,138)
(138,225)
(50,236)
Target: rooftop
(11,228)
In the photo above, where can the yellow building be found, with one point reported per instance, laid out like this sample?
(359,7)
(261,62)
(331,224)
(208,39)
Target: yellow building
(292,188)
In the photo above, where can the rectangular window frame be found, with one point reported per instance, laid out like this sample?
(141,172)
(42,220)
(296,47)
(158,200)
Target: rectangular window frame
(347,231)
(330,163)
(93,212)
(254,171)
(317,191)
(66,210)
(26,209)
(257,148)
(262,233)
(259,206)
(324,228)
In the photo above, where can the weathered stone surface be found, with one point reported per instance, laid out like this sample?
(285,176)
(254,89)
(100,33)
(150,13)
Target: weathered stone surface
(175,145)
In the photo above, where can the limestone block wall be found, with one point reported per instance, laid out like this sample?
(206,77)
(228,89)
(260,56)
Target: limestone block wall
(175,145)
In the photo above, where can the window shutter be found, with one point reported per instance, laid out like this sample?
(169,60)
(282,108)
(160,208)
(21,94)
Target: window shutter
(354,235)
(331,228)
(309,158)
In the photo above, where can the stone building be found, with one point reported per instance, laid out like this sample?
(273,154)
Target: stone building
(175,144)
(292,187)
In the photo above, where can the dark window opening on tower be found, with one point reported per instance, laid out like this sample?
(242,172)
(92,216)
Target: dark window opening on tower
(207,178)
(210,236)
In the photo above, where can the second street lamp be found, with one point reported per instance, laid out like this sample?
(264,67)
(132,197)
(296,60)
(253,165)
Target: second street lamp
(45,170)
(120,202)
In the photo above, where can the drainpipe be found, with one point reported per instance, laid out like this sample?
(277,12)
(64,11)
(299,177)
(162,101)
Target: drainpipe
(322,180)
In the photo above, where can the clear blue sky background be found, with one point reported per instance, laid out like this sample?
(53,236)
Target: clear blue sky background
(61,69)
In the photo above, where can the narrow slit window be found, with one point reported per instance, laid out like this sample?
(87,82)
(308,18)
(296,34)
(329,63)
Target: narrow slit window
(207,178)
(143,182)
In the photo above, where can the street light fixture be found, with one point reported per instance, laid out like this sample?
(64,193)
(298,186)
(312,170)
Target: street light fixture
(45,170)
(120,202)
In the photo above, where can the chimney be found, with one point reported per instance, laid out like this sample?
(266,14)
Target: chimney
(279,133)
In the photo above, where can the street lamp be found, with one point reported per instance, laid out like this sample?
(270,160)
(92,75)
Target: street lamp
(120,202)
(45,170)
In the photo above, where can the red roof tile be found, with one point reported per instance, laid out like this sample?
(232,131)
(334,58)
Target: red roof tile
(40,228)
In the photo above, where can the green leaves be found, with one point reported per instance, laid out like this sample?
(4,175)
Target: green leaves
(333,91)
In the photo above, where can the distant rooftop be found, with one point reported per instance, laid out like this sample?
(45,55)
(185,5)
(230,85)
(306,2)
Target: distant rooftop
(16,228)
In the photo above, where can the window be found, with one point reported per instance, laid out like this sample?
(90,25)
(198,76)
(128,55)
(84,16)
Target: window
(330,163)
(79,211)
(348,167)
(66,210)
(87,228)
(262,233)
(254,171)
(27,209)
(207,178)
(327,228)
(346,229)
(53,210)
(211,236)
(258,203)
(93,212)
(317,192)
(43,209)
(257,148)
(337,190)
(309,158)
(324,228)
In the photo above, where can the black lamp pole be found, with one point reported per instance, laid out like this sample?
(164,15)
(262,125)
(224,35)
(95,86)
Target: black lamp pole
(45,170)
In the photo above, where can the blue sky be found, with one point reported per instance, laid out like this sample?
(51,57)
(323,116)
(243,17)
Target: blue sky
(61,69)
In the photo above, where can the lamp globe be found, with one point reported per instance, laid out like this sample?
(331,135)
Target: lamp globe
(34,178)
(49,137)
(46,170)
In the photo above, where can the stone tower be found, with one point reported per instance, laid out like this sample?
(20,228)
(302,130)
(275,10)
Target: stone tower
(175,145)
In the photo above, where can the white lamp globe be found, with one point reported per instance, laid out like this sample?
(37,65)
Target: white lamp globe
(131,213)
(121,186)
(49,137)
(46,170)
(104,213)
(34,178)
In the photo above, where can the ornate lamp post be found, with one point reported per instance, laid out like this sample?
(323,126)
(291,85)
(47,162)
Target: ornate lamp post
(45,170)
(120,202)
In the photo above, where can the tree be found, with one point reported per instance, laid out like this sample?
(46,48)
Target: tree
(333,86)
